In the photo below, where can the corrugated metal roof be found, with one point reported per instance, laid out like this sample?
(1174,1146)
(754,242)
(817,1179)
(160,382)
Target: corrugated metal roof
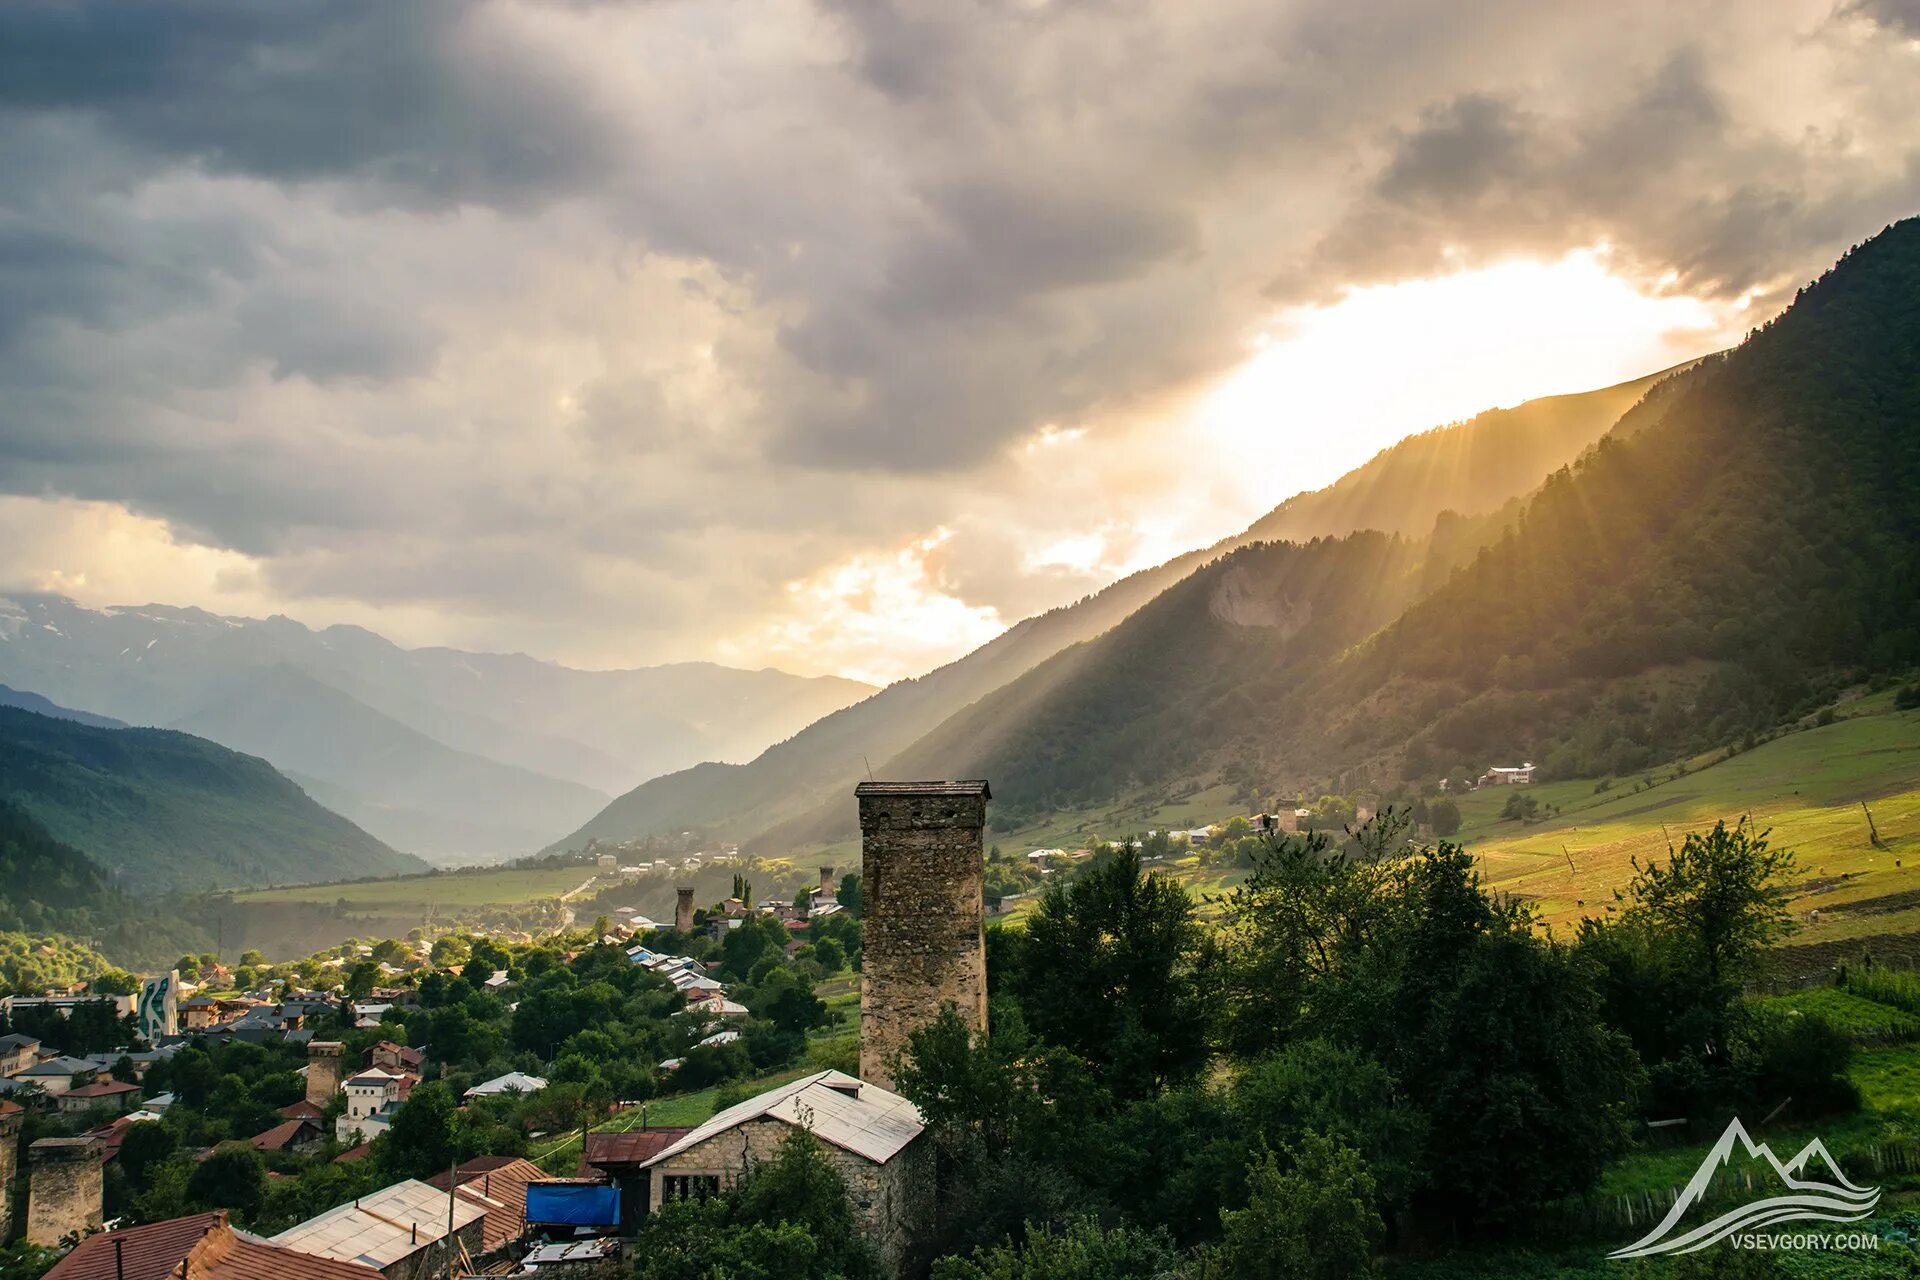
(862,1118)
(380,1229)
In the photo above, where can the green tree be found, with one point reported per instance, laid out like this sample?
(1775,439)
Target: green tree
(1083,1250)
(1446,818)
(233,1177)
(1116,971)
(1719,894)
(1311,1219)
(420,1142)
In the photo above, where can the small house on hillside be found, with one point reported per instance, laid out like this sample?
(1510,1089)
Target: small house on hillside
(873,1137)
(200,1247)
(1508,776)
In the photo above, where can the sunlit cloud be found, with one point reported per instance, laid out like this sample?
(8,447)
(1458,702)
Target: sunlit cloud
(875,616)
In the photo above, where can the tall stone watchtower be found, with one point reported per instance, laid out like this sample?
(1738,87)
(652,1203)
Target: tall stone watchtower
(683,910)
(922,863)
(65,1189)
(11,1117)
(324,1059)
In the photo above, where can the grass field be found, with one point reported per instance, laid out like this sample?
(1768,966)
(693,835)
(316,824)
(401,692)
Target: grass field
(1807,787)
(483,888)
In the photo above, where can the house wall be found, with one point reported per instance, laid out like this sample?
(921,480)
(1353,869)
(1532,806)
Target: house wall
(893,1203)
(922,866)
(323,1070)
(429,1261)
(9,1166)
(64,1189)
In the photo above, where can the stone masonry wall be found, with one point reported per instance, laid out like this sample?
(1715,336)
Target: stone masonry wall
(64,1189)
(9,1166)
(922,865)
(324,1059)
(893,1203)
(683,910)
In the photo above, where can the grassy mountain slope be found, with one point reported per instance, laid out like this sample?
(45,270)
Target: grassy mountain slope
(50,887)
(165,810)
(1701,577)
(411,791)
(1474,467)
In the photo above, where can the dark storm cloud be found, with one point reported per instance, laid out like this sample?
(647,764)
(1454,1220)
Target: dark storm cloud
(356,285)
(390,94)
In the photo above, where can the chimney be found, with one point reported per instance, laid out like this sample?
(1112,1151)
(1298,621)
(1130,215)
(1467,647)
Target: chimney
(683,910)
(922,865)
(65,1189)
(826,882)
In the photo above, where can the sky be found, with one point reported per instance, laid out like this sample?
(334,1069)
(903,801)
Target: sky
(839,336)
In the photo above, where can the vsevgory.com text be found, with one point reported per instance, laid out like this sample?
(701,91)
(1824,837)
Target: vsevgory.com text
(1845,1241)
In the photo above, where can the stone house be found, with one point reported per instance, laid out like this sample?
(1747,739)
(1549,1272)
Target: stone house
(102,1095)
(17,1053)
(873,1137)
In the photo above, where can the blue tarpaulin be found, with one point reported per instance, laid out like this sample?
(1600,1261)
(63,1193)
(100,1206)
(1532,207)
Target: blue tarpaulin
(574,1204)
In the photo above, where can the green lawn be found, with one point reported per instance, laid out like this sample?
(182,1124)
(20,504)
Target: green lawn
(482,888)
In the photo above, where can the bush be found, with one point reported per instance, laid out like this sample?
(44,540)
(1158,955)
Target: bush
(1907,699)
(1799,1056)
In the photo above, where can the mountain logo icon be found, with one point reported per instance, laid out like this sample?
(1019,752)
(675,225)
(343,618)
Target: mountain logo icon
(1814,1190)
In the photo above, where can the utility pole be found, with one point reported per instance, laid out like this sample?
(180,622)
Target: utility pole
(453,1172)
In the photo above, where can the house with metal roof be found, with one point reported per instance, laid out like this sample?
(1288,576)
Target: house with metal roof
(512,1082)
(400,1231)
(875,1139)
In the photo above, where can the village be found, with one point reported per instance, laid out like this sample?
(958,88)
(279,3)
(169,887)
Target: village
(924,947)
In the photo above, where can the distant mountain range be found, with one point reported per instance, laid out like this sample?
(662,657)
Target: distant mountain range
(455,756)
(162,810)
(1452,479)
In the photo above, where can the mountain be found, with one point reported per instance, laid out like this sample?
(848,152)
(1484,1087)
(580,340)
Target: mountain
(47,886)
(34,702)
(166,810)
(1736,552)
(411,791)
(1475,467)
(505,750)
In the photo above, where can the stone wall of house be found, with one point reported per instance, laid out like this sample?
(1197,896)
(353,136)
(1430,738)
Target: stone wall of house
(9,1166)
(64,1189)
(324,1061)
(922,863)
(893,1202)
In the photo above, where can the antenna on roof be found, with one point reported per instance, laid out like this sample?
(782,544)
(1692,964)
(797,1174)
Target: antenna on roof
(869,764)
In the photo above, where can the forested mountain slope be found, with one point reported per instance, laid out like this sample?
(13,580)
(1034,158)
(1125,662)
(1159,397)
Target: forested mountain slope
(1701,575)
(166,810)
(1474,467)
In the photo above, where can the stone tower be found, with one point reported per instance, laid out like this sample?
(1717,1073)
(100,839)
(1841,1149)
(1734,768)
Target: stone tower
(827,887)
(922,864)
(683,910)
(11,1115)
(324,1058)
(64,1189)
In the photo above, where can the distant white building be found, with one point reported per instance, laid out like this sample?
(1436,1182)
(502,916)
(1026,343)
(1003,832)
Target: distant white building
(1508,776)
(374,1097)
(512,1082)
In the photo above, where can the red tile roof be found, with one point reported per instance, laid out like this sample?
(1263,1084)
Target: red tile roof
(207,1246)
(285,1134)
(103,1089)
(302,1110)
(501,1186)
(351,1154)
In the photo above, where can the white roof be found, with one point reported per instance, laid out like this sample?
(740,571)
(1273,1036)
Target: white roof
(715,1009)
(512,1082)
(380,1229)
(862,1118)
(720,1037)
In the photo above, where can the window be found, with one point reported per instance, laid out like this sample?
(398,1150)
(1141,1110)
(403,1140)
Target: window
(688,1186)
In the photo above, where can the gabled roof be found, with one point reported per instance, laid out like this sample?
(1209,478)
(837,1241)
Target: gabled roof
(382,1228)
(862,1118)
(965,787)
(512,1082)
(103,1089)
(302,1110)
(499,1185)
(62,1066)
(17,1041)
(208,1248)
(284,1134)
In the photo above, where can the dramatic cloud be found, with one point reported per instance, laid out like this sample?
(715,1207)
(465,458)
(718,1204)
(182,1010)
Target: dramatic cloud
(839,334)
